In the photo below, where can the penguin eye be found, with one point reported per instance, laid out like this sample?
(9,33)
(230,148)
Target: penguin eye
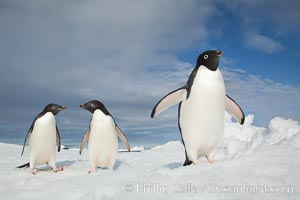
(93,105)
(53,107)
(205,57)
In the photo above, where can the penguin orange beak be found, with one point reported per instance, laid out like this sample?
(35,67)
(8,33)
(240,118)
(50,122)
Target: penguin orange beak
(81,105)
(219,53)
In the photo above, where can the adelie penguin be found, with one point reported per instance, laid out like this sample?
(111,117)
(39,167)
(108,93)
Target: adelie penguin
(202,102)
(102,134)
(43,138)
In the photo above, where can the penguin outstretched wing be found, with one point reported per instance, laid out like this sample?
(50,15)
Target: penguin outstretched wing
(84,139)
(123,138)
(58,143)
(169,100)
(234,109)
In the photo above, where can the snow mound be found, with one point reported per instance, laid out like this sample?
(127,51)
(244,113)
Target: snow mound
(282,130)
(245,139)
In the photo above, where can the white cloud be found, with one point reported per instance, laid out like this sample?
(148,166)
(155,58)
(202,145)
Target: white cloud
(256,95)
(262,97)
(95,42)
(117,52)
(263,43)
(72,51)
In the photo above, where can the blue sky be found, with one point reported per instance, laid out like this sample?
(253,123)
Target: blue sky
(129,54)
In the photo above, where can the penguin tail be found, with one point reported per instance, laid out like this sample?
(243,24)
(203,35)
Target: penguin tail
(187,162)
(22,166)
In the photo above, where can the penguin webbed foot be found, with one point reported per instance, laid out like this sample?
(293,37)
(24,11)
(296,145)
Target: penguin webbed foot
(93,168)
(195,162)
(210,159)
(92,171)
(34,171)
(55,169)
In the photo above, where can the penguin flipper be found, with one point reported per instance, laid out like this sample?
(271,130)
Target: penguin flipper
(169,100)
(26,137)
(123,138)
(234,109)
(84,139)
(58,143)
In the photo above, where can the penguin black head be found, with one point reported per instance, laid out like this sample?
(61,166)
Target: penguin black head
(54,108)
(209,59)
(94,105)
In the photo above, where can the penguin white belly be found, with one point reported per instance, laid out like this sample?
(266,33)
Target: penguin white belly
(103,141)
(202,114)
(43,141)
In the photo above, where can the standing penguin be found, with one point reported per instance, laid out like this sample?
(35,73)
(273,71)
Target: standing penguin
(202,102)
(43,137)
(102,135)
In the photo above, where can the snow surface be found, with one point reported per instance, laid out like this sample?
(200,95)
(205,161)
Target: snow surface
(252,163)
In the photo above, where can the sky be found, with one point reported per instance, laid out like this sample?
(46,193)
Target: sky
(128,54)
